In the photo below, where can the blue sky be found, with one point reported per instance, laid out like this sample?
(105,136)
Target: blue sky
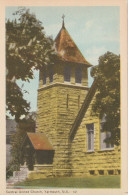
(94,29)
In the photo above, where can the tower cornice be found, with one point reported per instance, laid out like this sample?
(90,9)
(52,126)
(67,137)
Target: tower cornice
(64,85)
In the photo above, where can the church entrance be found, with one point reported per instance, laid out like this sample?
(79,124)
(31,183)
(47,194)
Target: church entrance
(36,149)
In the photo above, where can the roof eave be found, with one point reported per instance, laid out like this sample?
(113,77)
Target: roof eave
(80,63)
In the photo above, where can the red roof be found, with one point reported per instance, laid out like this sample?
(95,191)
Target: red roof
(67,49)
(40,141)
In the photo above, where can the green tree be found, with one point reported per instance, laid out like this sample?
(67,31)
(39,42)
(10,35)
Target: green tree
(107,102)
(25,125)
(27,49)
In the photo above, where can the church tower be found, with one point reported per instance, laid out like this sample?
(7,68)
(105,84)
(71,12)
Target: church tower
(62,90)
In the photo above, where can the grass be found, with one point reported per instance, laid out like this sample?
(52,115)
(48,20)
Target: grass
(88,182)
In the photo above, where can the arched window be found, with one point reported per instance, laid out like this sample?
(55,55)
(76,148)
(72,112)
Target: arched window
(67,73)
(44,77)
(78,75)
(51,75)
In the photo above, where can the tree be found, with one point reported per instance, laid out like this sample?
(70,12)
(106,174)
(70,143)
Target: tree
(27,49)
(107,101)
(25,125)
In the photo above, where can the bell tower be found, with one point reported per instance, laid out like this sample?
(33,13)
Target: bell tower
(62,90)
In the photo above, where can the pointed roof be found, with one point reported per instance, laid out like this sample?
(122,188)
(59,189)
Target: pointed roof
(67,49)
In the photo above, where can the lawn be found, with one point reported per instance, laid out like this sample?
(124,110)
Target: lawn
(88,182)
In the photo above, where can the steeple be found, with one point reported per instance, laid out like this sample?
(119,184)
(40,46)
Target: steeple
(63,25)
(67,49)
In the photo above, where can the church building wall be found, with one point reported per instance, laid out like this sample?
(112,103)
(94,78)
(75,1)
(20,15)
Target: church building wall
(68,108)
(97,162)
(58,106)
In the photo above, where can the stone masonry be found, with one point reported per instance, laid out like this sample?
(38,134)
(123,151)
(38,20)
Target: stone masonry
(58,105)
(99,162)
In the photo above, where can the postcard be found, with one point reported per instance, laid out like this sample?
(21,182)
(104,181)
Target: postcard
(64,97)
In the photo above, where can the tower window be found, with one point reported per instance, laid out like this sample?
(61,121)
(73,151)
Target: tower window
(44,78)
(78,75)
(51,75)
(90,137)
(67,74)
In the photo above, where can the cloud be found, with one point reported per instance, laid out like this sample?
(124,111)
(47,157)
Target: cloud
(89,24)
(95,50)
(93,54)
(94,30)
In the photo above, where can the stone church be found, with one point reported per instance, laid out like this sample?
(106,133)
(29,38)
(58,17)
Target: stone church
(68,140)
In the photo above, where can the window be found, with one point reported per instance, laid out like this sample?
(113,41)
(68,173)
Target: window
(67,74)
(78,75)
(101,172)
(44,78)
(110,172)
(92,172)
(51,75)
(103,136)
(90,137)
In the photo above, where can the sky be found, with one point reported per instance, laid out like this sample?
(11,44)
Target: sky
(94,29)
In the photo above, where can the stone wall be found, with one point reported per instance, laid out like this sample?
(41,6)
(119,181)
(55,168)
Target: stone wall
(58,105)
(67,109)
(47,113)
(41,171)
(92,163)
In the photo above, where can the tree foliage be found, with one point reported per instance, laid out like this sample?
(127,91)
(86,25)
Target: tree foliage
(107,102)
(27,49)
